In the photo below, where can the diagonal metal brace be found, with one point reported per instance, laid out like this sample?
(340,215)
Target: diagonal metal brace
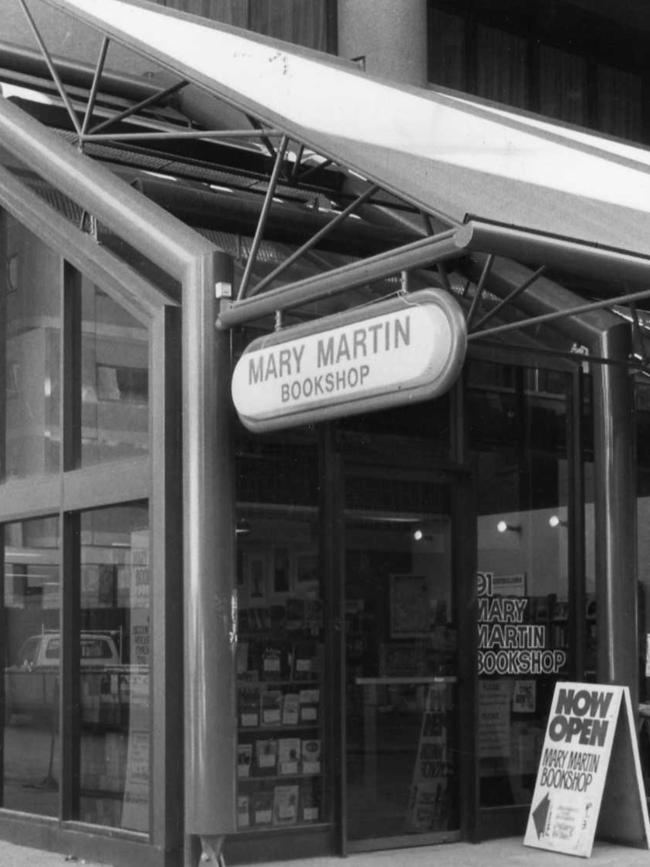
(479,289)
(51,67)
(90,105)
(261,223)
(315,239)
(510,297)
(144,103)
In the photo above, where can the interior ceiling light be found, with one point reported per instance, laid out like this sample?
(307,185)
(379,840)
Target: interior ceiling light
(504,527)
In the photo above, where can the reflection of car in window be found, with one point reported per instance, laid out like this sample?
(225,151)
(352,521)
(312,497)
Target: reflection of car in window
(97,648)
(31,683)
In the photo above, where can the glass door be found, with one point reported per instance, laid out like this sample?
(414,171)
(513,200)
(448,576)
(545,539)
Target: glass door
(401,769)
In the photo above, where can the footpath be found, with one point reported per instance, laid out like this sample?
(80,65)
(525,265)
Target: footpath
(494,853)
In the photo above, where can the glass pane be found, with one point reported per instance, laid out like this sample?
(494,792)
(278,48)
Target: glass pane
(114,750)
(502,72)
(518,434)
(33,326)
(302,22)
(446,49)
(31,640)
(281,756)
(114,380)
(620,103)
(643,542)
(401,648)
(563,85)
(280,656)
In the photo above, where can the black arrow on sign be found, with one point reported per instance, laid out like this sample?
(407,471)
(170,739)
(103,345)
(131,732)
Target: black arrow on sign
(540,814)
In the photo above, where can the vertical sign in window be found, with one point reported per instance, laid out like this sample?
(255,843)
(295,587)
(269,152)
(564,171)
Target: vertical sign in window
(31,621)
(114,380)
(32,315)
(114,747)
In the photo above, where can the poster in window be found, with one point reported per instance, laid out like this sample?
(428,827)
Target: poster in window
(409,606)
(306,571)
(255,575)
(281,570)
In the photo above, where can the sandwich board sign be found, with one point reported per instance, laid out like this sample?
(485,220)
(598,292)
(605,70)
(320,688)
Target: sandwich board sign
(589,776)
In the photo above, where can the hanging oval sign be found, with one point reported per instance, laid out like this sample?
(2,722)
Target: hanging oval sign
(407,349)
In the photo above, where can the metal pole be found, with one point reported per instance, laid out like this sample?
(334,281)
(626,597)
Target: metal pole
(209,558)
(418,254)
(615,524)
(172,135)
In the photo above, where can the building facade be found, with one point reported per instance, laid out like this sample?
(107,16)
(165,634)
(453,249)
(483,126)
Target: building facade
(342,635)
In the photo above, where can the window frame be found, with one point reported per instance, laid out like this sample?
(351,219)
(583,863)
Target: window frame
(75,489)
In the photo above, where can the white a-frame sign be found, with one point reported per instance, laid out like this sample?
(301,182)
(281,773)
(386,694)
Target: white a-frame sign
(589,777)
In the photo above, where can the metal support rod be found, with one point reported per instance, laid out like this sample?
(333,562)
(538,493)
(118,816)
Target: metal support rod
(171,135)
(562,314)
(418,254)
(144,103)
(479,289)
(638,344)
(268,144)
(561,253)
(90,105)
(509,298)
(50,65)
(310,171)
(444,276)
(295,168)
(261,223)
(29,62)
(339,218)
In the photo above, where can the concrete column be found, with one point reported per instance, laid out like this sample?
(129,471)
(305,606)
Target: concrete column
(391,36)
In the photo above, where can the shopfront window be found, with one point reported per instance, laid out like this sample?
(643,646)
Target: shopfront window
(114,666)
(281,705)
(401,584)
(31,743)
(114,380)
(518,440)
(31,312)
(502,70)
(303,23)
(642,394)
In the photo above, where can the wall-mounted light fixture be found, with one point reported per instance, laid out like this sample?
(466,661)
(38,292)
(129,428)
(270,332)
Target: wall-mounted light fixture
(418,534)
(504,527)
(556,521)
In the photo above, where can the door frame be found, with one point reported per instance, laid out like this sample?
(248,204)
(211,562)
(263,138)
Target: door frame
(463,525)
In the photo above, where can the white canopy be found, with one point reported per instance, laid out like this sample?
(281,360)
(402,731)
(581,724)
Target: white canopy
(446,154)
